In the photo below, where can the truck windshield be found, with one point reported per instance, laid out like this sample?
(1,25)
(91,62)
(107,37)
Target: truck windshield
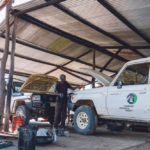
(17,86)
(135,74)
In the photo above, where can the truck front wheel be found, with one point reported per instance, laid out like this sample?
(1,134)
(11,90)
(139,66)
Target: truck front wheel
(23,111)
(85,120)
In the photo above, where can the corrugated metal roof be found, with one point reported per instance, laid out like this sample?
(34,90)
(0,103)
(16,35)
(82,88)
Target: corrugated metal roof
(102,18)
(135,11)
(34,53)
(67,23)
(29,4)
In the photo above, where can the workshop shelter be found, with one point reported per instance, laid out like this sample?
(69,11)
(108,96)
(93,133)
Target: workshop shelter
(59,36)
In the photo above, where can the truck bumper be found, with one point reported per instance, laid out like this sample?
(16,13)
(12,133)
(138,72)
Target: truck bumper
(70,106)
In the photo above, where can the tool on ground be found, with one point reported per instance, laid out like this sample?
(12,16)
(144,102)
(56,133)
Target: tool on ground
(5,143)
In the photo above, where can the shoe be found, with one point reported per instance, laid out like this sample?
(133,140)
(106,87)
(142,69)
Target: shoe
(62,131)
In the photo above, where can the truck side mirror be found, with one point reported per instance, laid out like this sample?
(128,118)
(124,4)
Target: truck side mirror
(119,83)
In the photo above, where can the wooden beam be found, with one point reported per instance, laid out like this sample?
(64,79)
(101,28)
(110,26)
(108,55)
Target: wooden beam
(79,77)
(10,80)
(50,2)
(93,79)
(87,23)
(123,19)
(3,64)
(114,56)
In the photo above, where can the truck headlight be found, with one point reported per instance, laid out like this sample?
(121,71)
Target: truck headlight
(36,97)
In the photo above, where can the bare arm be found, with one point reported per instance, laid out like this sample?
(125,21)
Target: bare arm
(73,88)
(70,87)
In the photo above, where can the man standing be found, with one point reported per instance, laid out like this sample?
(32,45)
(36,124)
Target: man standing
(61,102)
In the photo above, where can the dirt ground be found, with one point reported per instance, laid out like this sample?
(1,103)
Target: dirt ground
(103,139)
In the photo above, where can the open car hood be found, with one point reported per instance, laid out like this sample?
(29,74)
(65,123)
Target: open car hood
(38,84)
(101,77)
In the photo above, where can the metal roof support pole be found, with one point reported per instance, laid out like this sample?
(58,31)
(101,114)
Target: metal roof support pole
(19,73)
(54,53)
(76,76)
(38,7)
(46,63)
(69,61)
(114,56)
(73,38)
(3,64)
(77,17)
(10,80)
(124,47)
(93,79)
(123,19)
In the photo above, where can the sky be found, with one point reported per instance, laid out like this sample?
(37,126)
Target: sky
(16,2)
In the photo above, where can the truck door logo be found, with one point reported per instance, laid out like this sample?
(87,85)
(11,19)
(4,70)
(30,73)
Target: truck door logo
(132,98)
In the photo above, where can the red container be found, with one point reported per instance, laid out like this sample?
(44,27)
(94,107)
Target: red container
(16,122)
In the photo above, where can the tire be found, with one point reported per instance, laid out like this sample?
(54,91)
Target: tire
(90,122)
(114,127)
(23,111)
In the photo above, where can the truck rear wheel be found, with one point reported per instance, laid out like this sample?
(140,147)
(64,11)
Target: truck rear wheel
(23,111)
(85,120)
(115,127)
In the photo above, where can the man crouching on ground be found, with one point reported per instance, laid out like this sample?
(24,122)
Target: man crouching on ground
(61,102)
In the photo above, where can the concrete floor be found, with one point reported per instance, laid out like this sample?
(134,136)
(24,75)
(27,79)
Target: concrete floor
(103,139)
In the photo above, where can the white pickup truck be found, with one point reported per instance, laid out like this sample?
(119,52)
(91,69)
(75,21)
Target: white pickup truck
(122,100)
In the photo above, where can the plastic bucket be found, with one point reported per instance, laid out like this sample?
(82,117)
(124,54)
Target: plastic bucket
(27,137)
(16,122)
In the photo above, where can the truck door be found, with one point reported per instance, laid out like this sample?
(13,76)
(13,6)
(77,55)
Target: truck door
(132,100)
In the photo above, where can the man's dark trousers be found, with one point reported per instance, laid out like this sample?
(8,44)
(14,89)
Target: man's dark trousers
(60,111)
